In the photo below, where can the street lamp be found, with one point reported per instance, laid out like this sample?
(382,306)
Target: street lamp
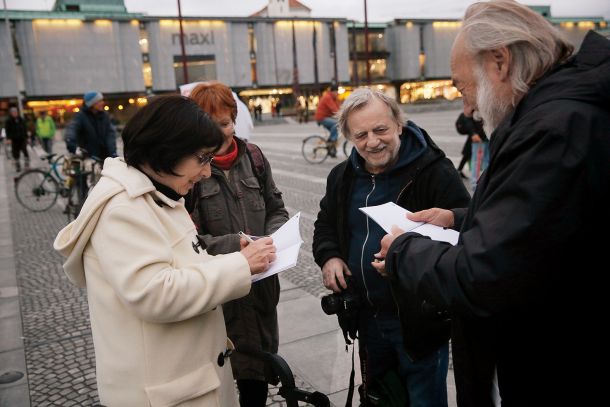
(366,45)
(184,68)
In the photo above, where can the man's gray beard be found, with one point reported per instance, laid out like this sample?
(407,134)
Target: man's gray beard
(490,108)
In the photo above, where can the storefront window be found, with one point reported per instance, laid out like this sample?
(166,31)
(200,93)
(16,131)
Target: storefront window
(200,68)
(377,69)
(376,42)
(412,92)
(147,73)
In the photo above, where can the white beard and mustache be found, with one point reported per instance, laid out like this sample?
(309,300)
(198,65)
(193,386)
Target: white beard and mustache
(491,109)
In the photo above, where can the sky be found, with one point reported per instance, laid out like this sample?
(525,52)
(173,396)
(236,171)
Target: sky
(378,10)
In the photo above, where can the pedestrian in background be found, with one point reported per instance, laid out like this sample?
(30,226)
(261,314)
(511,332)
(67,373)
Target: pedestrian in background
(328,106)
(17,136)
(240,195)
(462,127)
(476,147)
(153,293)
(393,161)
(526,297)
(45,130)
(93,129)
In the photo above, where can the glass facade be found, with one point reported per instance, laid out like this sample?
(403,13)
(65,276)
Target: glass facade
(200,68)
(412,92)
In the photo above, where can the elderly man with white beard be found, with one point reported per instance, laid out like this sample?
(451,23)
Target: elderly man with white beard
(520,286)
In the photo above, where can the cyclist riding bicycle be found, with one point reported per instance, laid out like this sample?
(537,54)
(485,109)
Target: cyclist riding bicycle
(325,112)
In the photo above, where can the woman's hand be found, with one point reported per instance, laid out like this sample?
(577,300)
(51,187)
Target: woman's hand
(259,254)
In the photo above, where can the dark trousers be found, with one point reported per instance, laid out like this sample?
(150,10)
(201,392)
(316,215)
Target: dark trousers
(252,393)
(424,381)
(18,147)
(466,153)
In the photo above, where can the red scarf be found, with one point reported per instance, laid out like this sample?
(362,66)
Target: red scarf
(224,162)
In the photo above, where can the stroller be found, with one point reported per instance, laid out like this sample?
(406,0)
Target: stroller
(282,374)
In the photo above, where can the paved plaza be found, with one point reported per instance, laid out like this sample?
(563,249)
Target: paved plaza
(45,319)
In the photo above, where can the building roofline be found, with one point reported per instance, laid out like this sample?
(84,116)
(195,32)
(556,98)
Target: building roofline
(244,19)
(69,15)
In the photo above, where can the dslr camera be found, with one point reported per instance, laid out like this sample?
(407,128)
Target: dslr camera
(346,305)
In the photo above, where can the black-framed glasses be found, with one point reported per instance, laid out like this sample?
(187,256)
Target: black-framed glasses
(204,158)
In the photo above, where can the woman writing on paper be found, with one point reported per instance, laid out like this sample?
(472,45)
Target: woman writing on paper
(153,294)
(240,196)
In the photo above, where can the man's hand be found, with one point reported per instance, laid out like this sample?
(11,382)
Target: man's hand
(333,271)
(476,138)
(379,262)
(259,254)
(434,216)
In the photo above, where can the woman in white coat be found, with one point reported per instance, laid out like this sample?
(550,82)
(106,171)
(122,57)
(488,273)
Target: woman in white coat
(154,294)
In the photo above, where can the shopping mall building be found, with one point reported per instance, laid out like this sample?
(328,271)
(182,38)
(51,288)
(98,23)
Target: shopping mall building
(48,59)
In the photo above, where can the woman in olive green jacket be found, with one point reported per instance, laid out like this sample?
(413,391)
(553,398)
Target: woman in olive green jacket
(240,196)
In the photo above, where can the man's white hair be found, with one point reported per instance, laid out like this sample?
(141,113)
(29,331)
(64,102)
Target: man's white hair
(534,44)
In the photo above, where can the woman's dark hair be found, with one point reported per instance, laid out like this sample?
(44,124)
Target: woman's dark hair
(167,130)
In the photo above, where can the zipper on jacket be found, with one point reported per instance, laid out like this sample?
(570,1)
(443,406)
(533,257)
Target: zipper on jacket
(403,190)
(366,204)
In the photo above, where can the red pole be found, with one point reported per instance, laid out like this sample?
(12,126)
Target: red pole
(366,45)
(184,68)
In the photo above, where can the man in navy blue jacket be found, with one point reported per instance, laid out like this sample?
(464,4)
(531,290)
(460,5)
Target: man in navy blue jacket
(92,128)
(392,161)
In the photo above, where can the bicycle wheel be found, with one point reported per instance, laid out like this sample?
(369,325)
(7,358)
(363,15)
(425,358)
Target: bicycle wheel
(347,147)
(57,167)
(76,196)
(314,149)
(36,190)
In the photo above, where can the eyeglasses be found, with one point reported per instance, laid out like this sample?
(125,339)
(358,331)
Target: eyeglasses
(204,158)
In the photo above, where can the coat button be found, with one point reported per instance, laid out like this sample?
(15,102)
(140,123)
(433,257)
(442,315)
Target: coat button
(221,359)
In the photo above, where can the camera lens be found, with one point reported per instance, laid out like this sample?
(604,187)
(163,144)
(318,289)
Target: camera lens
(330,304)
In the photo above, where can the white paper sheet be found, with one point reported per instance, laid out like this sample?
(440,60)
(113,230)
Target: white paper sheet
(390,214)
(287,241)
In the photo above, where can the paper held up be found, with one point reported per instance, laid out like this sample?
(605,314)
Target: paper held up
(390,214)
(287,241)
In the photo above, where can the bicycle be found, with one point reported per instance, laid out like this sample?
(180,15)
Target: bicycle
(83,174)
(317,148)
(36,189)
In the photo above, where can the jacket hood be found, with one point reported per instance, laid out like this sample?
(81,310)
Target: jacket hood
(116,177)
(585,77)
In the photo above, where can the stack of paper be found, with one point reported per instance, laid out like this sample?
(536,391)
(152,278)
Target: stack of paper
(390,214)
(287,241)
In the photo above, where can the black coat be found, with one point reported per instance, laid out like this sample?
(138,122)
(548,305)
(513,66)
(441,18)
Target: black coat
(94,133)
(431,180)
(16,129)
(521,285)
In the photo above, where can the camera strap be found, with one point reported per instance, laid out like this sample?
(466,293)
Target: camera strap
(350,391)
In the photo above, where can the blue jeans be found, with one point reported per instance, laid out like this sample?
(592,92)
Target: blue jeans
(425,381)
(331,125)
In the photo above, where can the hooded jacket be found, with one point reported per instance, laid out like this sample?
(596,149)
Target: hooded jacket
(153,295)
(523,283)
(424,178)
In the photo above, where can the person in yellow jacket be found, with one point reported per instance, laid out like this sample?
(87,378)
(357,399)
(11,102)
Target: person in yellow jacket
(45,130)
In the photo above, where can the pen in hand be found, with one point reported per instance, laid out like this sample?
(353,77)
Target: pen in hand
(246,237)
